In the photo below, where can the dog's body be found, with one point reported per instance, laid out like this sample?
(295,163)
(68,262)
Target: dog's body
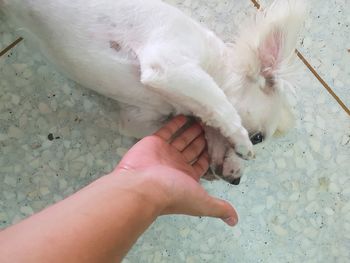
(158,62)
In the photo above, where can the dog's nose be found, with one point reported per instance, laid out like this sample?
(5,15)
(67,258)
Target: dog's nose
(236,181)
(219,169)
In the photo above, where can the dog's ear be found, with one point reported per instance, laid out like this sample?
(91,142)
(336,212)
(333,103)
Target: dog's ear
(269,43)
(277,30)
(270,51)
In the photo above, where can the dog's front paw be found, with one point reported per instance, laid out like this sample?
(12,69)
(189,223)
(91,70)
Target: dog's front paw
(231,169)
(242,144)
(217,145)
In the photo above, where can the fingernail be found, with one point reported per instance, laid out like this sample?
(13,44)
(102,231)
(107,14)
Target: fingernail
(231,221)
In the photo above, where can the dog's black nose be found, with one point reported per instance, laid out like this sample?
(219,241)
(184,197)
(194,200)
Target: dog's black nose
(219,169)
(236,181)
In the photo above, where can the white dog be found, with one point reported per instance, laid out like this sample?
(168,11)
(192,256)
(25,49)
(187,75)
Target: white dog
(158,62)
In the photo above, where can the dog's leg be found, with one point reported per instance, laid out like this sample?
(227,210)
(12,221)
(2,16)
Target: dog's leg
(217,147)
(188,85)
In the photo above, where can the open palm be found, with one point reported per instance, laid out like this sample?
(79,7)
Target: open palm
(175,159)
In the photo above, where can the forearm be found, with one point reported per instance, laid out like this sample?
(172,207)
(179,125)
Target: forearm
(101,222)
(97,224)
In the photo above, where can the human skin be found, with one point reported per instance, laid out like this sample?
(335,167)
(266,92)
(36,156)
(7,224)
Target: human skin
(101,222)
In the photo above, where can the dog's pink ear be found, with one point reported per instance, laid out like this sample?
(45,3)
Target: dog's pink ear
(265,48)
(270,52)
(278,27)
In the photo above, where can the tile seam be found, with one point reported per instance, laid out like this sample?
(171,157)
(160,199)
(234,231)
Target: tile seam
(11,46)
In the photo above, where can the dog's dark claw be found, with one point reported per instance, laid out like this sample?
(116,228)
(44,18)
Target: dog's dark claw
(236,181)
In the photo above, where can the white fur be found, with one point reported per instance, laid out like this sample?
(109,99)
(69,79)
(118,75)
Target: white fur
(156,60)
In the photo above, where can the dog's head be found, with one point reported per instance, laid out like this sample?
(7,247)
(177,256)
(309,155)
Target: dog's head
(263,65)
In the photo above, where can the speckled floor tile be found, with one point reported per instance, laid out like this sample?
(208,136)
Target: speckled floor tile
(293,201)
(328,46)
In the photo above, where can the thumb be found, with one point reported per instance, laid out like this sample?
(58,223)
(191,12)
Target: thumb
(215,207)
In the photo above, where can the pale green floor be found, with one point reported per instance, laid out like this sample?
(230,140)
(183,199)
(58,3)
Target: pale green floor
(293,200)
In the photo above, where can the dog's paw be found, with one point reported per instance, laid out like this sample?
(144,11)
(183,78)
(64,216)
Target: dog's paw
(234,177)
(224,161)
(242,144)
(217,145)
(231,169)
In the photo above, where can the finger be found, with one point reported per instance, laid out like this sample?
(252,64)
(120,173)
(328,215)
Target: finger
(200,203)
(169,129)
(194,150)
(201,166)
(187,137)
(215,207)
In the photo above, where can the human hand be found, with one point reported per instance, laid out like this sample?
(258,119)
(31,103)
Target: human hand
(174,166)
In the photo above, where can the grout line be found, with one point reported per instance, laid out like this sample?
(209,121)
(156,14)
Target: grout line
(9,47)
(314,72)
(256,4)
(325,85)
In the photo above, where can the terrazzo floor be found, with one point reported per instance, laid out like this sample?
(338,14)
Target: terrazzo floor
(293,201)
